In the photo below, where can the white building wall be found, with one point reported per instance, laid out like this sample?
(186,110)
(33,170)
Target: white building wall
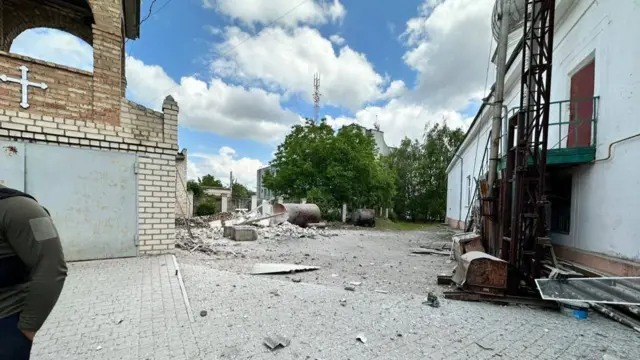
(605,195)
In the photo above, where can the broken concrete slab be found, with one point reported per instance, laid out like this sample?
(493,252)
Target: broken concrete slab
(244,233)
(260,269)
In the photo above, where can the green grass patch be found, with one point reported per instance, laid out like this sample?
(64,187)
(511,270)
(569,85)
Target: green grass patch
(386,224)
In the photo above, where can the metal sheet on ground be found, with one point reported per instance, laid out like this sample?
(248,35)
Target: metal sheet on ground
(259,269)
(604,290)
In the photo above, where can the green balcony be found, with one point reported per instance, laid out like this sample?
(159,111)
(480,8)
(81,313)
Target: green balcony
(572,132)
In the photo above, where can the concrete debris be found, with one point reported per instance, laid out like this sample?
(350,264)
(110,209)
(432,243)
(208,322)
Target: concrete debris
(361,338)
(381,291)
(350,288)
(203,313)
(355,283)
(202,233)
(243,233)
(277,341)
(343,302)
(259,269)
(432,300)
(296,280)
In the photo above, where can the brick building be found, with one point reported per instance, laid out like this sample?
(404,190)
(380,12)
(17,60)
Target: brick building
(104,167)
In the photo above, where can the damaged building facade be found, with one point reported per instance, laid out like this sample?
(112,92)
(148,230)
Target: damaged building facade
(593,138)
(103,166)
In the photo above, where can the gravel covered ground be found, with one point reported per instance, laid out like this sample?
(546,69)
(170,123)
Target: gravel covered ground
(322,319)
(379,259)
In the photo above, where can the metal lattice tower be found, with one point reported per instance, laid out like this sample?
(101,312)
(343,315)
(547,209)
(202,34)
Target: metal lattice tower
(316,96)
(524,201)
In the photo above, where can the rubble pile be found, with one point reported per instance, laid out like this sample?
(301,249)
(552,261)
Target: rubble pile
(286,229)
(205,236)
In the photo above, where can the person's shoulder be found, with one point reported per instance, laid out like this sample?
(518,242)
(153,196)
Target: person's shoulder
(22,206)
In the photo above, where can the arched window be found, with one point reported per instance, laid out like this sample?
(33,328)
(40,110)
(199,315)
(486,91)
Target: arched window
(54,46)
(46,29)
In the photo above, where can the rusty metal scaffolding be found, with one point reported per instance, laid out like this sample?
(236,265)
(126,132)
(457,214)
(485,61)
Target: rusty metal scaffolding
(523,205)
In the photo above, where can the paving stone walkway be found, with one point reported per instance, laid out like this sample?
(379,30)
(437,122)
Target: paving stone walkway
(119,309)
(134,309)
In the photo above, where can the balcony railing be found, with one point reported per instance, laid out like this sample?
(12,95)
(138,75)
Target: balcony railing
(572,124)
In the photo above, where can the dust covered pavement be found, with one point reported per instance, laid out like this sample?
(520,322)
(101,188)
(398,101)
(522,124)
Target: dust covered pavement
(378,259)
(322,319)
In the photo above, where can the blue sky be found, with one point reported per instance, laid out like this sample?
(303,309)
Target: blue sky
(242,70)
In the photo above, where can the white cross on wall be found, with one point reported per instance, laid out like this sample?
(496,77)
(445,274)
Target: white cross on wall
(25,84)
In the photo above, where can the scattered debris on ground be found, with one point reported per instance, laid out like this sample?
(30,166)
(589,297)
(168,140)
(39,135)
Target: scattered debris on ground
(361,338)
(200,233)
(343,302)
(350,288)
(381,291)
(296,280)
(260,269)
(430,251)
(277,341)
(432,300)
(203,313)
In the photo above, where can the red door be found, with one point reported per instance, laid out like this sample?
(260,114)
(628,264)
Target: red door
(581,111)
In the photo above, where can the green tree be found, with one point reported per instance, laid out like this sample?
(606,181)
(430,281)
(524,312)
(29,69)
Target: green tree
(330,168)
(210,180)
(239,191)
(195,188)
(420,172)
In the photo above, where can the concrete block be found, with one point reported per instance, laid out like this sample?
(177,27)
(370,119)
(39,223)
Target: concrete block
(227,232)
(244,233)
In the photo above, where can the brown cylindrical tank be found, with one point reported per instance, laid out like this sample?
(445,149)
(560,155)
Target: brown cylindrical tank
(299,214)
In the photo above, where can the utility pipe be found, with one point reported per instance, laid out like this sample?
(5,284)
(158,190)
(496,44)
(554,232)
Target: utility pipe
(611,147)
(461,182)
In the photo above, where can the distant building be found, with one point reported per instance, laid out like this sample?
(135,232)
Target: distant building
(381,146)
(262,192)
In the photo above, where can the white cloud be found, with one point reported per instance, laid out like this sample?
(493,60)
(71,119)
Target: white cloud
(221,164)
(399,119)
(217,107)
(55,46)
(337,39)
(286,60)
(449,48)
(395,89)
(288,13)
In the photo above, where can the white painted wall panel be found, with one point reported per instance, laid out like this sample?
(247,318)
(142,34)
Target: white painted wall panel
(92,198)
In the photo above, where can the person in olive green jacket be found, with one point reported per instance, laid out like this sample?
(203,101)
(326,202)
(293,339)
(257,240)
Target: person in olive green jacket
(32,271)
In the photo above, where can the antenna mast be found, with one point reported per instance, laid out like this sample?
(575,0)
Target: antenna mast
(316,96)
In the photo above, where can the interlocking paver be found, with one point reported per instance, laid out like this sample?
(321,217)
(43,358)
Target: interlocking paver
(142,292)
(145,294)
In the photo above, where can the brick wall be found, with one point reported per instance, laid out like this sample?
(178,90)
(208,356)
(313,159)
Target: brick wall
(106,85)
(156,157)
(69,93)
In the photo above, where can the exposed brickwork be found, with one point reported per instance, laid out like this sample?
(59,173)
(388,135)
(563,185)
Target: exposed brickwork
(141,131)
(104,88)
(28,15)
(69,92)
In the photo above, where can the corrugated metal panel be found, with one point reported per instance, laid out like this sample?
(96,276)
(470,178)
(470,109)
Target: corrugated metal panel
(92,197)
(12,157)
